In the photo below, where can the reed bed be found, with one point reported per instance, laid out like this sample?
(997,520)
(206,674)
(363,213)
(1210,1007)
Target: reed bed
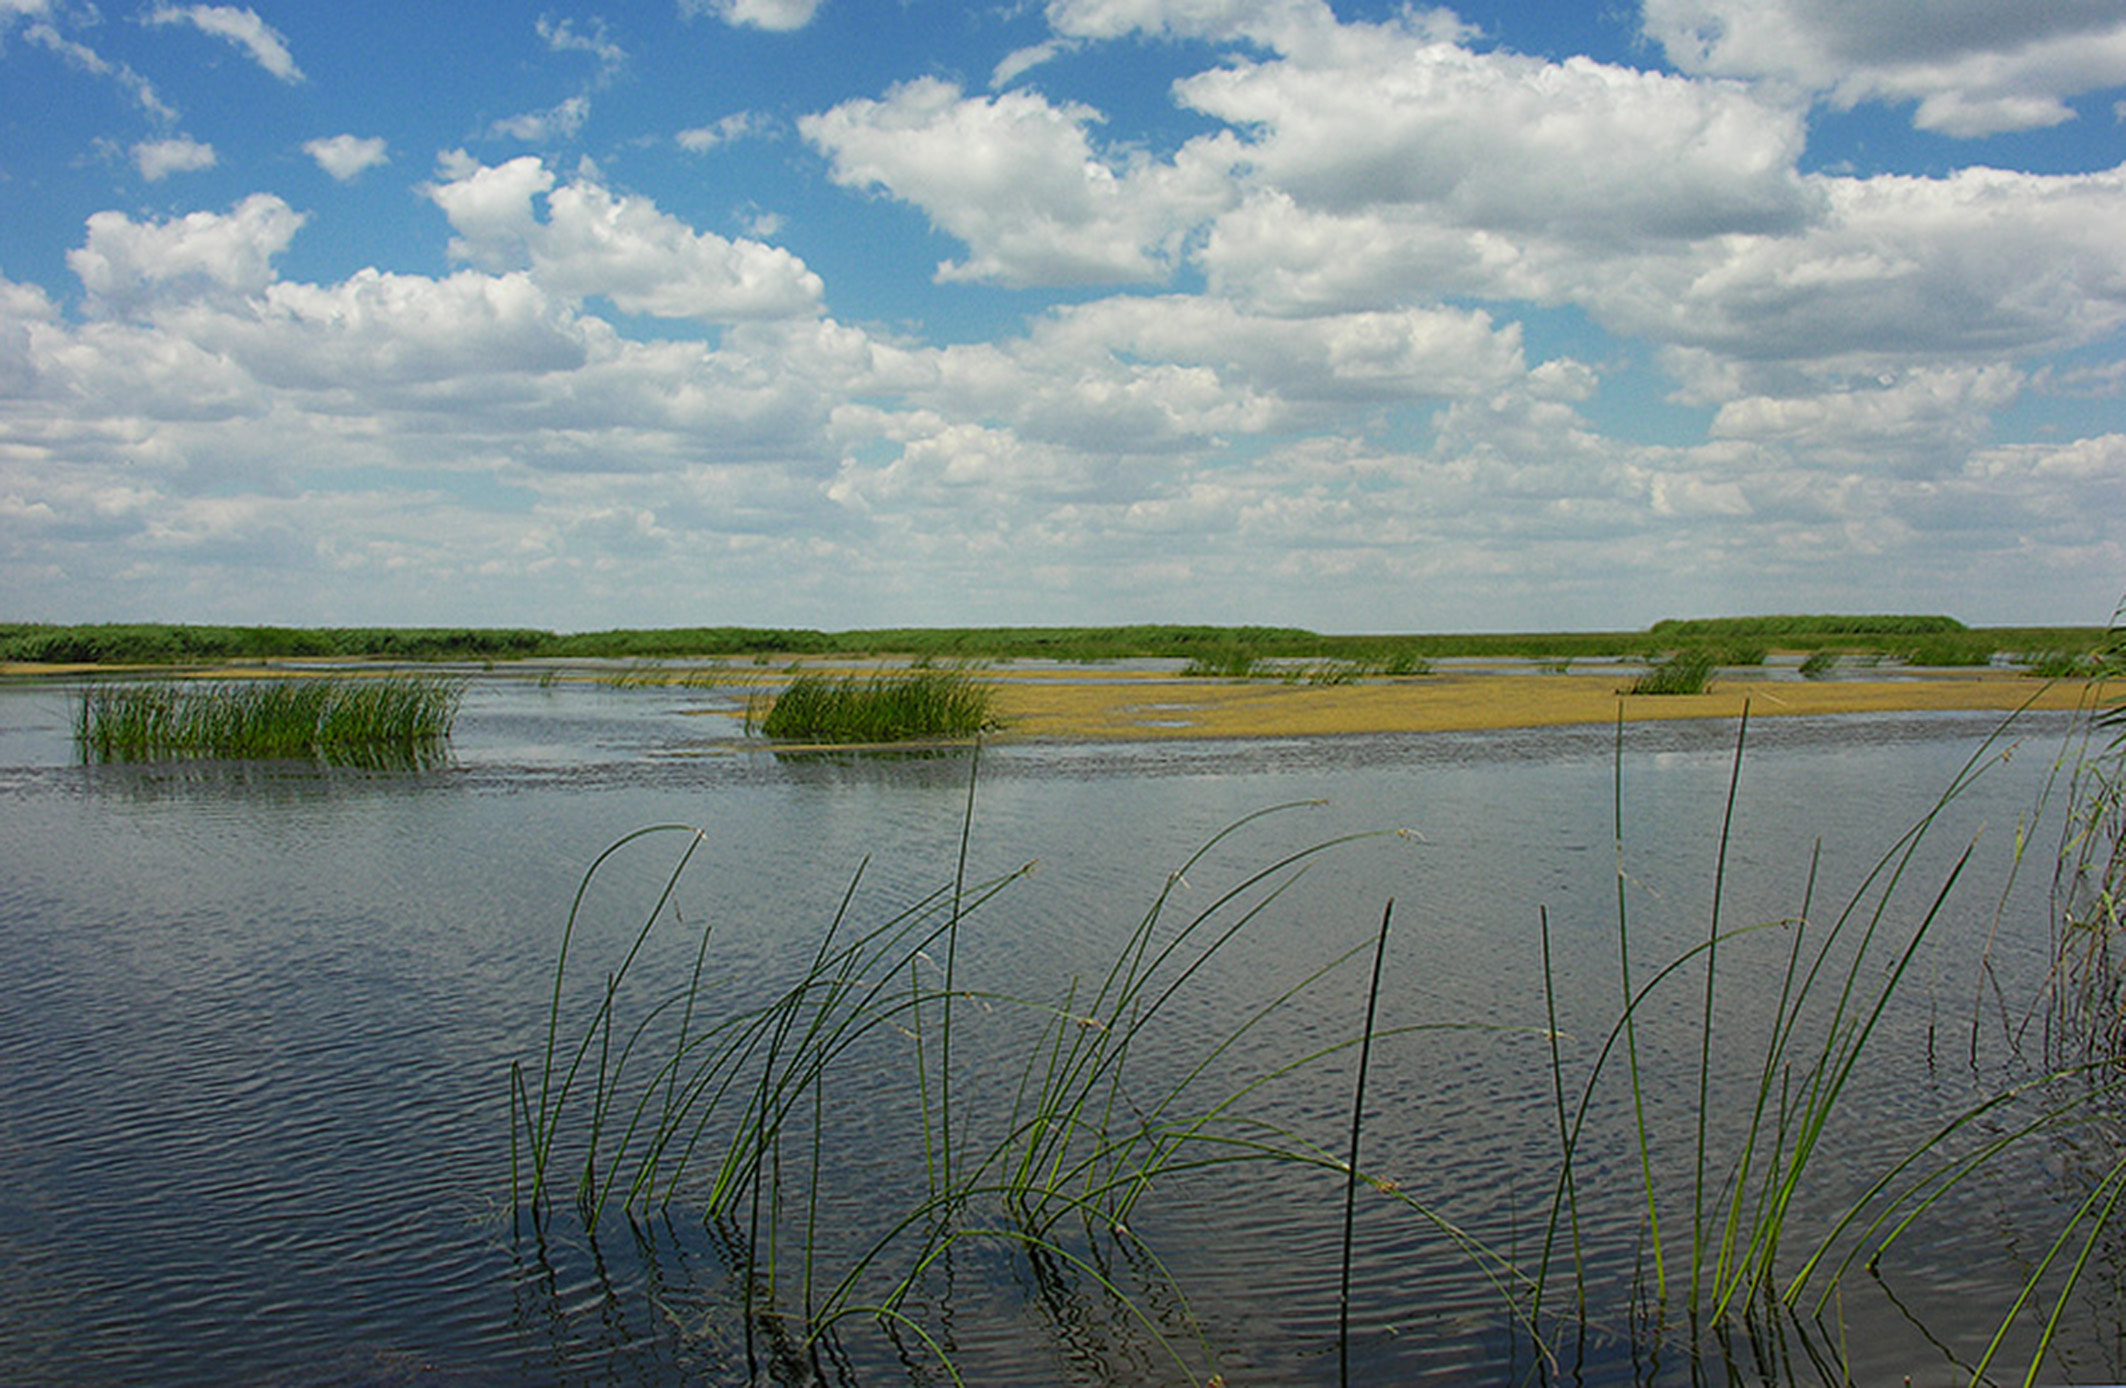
(626,1113)
(632,1107)
(899,707)
(374,722)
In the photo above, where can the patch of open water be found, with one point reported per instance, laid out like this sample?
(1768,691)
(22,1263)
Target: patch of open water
(258,1022)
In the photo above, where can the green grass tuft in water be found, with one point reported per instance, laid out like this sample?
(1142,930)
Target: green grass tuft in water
(901,707)
(390,721)
(1685,672)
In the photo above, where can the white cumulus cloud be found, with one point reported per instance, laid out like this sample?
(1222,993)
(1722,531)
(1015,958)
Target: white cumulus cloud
(1275,22)
(1017,178)
(780,16)
(346,156)
(594,242)
(1977,264)
(378,331)
(125,264)
(1510,143)
(158,159)
(1927,411)
(1403,312)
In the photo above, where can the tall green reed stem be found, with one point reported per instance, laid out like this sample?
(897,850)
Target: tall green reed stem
(1705,1032)
(1358,1120)
(1631,1023)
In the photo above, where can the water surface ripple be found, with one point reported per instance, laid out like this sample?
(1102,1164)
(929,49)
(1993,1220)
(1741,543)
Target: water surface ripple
(257,1023)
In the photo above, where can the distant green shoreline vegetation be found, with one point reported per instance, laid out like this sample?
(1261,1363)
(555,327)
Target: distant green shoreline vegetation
(1919,640)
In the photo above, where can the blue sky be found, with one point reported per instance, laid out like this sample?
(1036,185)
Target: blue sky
(838,314)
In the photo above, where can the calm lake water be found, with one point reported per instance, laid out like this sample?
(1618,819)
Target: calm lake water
(257,1026)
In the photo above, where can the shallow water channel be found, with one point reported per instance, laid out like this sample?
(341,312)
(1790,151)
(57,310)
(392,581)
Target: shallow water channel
(257,1023)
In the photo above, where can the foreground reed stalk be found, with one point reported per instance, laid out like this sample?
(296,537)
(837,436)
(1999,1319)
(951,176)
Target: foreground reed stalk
(1358,1123)
(1705,1031)
(1838,984)
(2088,1019)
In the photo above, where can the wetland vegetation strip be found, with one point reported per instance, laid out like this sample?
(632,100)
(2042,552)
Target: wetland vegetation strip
(376,722)
(1223,649)
(157,643)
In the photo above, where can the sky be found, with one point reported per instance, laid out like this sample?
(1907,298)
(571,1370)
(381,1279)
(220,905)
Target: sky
(1548,315)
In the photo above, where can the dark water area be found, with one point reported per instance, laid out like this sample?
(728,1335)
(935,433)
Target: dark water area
(257,1025)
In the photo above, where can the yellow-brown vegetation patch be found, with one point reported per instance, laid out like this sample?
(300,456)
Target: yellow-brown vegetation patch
(1160,706)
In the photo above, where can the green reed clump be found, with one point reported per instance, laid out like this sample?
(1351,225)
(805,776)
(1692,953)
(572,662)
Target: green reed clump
(2060,665)
(1236,663)
(348,722)
(1324,673)
(1683,672)
(2089,987)
(1821,663)
(898,707)
(1394,664)
(1945,653)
